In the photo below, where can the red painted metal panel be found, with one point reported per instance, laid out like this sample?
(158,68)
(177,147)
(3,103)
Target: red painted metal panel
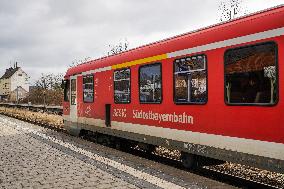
(251,122)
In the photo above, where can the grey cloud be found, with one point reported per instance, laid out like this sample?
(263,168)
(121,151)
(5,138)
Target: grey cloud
(47,35)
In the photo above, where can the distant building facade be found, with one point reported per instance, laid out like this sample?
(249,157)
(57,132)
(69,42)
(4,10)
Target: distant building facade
(14,84)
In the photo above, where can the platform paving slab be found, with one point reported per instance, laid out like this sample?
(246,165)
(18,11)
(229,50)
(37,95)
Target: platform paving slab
(35,157)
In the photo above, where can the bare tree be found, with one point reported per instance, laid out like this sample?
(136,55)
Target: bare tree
(113,49)
(230,9)
(49,81)
(47,90)
(118,48)
(80,61)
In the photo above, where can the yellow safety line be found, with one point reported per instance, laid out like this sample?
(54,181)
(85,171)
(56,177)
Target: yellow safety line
(140,61)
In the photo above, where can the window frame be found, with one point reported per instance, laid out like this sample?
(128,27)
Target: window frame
(161,71)
(206,69)
(93,88)
(75,102)
(67,83)
(276,68)
(129,86)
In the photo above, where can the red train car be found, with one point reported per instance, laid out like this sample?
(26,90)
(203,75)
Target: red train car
(216,92)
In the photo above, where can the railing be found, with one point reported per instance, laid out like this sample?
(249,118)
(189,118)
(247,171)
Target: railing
(36,108)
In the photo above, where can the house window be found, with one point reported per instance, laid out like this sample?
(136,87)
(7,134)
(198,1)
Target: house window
(251,75)
(190,80)
(88,88)
(150,83)
(122,86)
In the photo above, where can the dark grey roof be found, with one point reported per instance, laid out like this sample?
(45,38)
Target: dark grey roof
(9,72)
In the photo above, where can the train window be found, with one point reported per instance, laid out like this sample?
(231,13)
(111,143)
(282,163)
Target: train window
(66,90)
(150,83)
(88,88)
(73,92)
(251,75)
(190,80)
(122,86)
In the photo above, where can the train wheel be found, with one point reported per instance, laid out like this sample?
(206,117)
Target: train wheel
(188,160)
(118,144)
(123,144)
(150,149)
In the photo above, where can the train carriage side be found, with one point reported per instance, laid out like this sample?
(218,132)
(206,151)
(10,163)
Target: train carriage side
(214,93)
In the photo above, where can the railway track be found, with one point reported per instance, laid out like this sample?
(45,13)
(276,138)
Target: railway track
(202,171)
(234,180)
(205,171)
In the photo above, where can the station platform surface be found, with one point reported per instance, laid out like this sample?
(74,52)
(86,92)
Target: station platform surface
(35,157)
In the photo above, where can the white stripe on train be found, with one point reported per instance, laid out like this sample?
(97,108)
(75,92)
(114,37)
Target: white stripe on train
(230,42)
(211,46)
(249,146)
(255,147)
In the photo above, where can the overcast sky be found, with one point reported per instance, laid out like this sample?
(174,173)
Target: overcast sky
(46,36)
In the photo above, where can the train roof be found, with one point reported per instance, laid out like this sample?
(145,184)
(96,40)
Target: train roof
(253,23)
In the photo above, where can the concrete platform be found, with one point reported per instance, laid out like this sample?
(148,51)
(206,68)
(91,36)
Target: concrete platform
(35,157)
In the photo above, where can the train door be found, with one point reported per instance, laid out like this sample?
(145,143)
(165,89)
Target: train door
(107,115)
(73,101)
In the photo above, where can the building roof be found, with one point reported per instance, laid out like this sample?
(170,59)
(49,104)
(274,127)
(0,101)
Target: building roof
(9,72)
(20,89)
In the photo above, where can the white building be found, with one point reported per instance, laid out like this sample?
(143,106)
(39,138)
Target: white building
(14,84)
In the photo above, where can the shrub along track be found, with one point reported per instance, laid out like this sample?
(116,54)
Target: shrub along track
(235,174)
(51,121)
